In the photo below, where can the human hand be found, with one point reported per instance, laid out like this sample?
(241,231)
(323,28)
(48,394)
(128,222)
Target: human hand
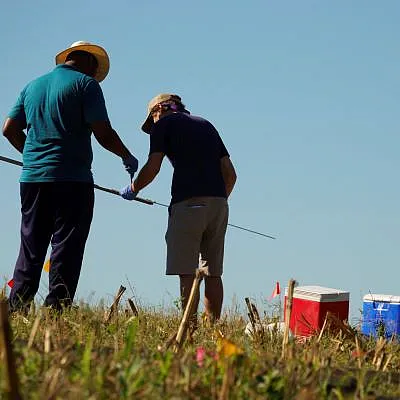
(127,193)
(131,165)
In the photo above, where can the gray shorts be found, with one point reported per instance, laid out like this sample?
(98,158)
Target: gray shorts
(196,232)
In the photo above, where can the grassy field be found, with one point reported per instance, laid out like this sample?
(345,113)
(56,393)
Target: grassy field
(79,356)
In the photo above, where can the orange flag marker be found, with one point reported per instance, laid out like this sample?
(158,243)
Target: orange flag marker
(46,265)
(226,348)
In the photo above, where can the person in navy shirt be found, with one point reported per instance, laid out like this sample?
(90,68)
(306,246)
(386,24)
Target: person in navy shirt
(203,179)
(59,112)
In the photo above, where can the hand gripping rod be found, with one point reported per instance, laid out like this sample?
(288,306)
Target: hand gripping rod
(138,199)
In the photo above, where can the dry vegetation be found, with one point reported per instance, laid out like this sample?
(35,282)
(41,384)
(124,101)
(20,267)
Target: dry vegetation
(79,355)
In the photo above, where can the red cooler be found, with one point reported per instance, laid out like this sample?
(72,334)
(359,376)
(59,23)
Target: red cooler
(310,305)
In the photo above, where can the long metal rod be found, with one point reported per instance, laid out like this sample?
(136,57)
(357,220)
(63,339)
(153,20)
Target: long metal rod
(98,187)
(139,199)
(251,231)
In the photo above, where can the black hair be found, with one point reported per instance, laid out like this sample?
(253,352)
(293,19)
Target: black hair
(81,54)
(179,106)
(166,105)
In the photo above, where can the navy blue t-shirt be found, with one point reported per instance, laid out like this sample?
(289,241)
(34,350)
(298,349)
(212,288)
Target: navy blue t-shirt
(195,149)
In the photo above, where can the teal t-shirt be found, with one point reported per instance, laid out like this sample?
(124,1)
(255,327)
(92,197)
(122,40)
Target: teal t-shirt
(57,110)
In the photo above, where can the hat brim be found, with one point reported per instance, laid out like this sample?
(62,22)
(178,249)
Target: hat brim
(148,124)
(97,51)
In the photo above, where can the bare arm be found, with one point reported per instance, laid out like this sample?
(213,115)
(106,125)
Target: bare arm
(13,131)
(109,139)
(148,172)
(229,174)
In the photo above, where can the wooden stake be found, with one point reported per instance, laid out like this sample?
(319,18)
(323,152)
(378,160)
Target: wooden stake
(389,359)
(323,329)
(226,381)
(255,313)
(258,319)
(255,320)
(3,292)
(251,314)
(168,342)
(11,372)
(358,350)
(184,325)
(34,329)
(288,314)
(114,305)
(133,307)
(47,343)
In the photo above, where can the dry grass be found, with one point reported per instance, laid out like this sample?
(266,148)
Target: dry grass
(79,356)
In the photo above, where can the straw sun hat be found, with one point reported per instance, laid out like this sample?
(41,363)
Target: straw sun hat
(97,51)
(160,98)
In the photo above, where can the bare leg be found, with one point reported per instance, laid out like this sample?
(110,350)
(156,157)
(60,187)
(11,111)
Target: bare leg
(213,296)
(186,283)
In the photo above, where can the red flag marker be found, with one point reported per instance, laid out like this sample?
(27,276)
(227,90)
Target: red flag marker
(46,267)
(276,292)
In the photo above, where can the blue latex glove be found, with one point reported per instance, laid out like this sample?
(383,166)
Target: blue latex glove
(127,193)
(131,165)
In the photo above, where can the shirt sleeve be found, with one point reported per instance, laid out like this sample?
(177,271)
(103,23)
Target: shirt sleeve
(94,105)
(18,110)
(158,139)
(223,151)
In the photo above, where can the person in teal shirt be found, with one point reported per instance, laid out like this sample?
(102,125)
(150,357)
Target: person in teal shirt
(59,112)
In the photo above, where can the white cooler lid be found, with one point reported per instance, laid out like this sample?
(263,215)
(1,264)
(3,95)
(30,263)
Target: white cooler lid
(319,293)
(388,298)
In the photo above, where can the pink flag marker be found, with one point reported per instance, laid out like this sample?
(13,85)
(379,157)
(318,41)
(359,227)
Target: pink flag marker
(276,292)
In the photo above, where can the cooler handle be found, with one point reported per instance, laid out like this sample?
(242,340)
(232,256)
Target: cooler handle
(380,306)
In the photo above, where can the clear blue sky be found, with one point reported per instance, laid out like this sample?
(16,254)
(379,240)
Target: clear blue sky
(306,97)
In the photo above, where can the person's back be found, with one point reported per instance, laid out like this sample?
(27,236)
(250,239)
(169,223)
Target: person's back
(58,145)
(195,149)
(59,111)
(203,179)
